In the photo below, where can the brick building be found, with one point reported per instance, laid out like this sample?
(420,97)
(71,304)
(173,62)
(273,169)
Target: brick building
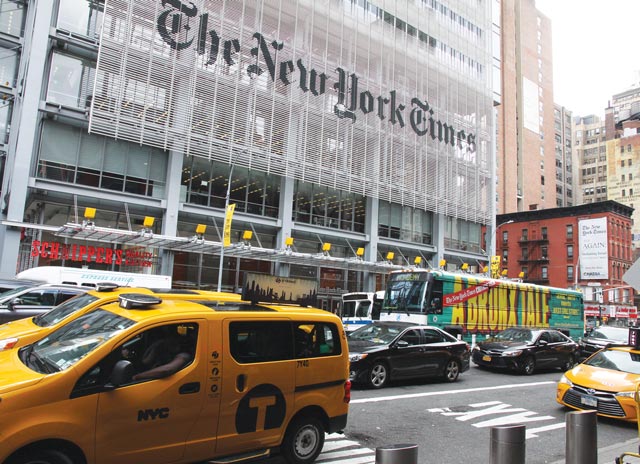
(587,247)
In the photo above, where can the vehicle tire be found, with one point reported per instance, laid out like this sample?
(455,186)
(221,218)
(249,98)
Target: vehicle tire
(451,370)
(378,375)
(528,365)
(569,363)
(40,456)
(303,441)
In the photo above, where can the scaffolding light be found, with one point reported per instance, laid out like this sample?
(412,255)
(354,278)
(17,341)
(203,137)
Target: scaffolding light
(247,235)
(417,260)
(443,262)
(201,229)
(288,241)
(148,222)
(326,246)
(504,273)
(464,266)
(360,252)
(89,213)
(390,255)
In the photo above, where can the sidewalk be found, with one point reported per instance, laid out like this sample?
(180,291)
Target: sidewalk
(608,454)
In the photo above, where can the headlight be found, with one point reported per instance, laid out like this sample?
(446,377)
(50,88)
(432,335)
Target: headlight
(475,348)
(8,343)
(565,380)
(626,394)
(357,357)
(512,353)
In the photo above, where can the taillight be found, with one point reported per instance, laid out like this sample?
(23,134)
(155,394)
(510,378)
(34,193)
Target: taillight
(347,391)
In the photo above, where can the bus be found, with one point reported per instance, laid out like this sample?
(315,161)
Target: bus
(360,308)
(470,305)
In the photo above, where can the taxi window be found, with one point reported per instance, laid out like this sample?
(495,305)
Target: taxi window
(316,339)
(60,312)
(73,341)
(262,341)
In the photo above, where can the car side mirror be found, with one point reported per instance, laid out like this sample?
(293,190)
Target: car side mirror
(543,342)
(122,373)
(402,344)
(11,305)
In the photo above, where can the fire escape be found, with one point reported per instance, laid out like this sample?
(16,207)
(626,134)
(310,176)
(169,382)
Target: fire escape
(534,255)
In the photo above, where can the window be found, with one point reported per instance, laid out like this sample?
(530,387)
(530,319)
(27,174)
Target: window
(525,254)
(505,237)
(70,81)
(525,235)
(505,256)
(433,336)
(569,232)
(622,163)
(544,233)
(569,272)
(412,337)
(544,252)
(545,272)
(316,339)
(569,251)
(253,342)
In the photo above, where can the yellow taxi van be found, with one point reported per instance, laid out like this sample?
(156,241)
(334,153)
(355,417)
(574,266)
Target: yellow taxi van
(146,380)
(27,330)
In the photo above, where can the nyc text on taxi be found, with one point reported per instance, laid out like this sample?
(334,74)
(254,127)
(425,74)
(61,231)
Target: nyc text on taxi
(251,379)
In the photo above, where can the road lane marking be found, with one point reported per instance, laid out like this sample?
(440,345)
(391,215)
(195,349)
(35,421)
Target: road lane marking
(450,392)
(339,450)
(532,433)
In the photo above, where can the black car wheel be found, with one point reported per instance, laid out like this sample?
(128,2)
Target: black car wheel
(452,370)
(378,375)
(303,441)
(528,365)
(43,456)
(569,363)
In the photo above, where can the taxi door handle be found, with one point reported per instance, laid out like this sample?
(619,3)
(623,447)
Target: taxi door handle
(241,382)
(188,388)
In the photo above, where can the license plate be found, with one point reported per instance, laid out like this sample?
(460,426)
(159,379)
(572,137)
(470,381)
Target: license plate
(589,401)
(486,358)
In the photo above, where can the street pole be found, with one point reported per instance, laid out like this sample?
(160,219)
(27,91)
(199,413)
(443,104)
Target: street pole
(226,207)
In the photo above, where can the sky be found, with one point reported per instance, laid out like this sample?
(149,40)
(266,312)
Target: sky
(595,51)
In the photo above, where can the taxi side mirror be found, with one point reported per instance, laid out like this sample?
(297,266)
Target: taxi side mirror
(122,373)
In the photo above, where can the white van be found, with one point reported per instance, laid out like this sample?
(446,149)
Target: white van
(90,277)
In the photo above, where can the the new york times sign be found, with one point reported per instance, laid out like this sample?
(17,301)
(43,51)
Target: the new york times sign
(175,26)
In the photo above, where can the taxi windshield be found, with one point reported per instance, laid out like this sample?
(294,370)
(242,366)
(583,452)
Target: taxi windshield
(623,361)
(63,310)
(73,341)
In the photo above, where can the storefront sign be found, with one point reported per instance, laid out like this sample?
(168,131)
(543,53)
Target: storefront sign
(99,254)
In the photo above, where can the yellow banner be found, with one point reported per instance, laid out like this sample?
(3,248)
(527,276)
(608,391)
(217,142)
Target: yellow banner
(495,266)
(227,225)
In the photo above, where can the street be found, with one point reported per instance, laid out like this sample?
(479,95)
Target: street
(451,422)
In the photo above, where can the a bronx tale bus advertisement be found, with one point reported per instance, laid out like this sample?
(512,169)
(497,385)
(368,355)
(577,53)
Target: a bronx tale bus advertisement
(483,306)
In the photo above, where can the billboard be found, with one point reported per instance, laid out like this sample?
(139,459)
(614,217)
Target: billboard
(267,288)
(593,249)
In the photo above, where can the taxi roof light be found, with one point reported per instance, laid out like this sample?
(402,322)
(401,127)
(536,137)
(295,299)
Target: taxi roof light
(106,286)
(138,301)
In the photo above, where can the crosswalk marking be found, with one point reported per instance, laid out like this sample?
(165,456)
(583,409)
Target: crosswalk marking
(338,449)
(506,415)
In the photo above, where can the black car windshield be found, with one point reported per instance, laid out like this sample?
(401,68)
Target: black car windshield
(375,333)
(73,341)
(63,310)
(516,335)
(622,361)
(610,333)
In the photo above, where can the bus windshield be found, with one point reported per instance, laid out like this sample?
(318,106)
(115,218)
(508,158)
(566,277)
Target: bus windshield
(405,296)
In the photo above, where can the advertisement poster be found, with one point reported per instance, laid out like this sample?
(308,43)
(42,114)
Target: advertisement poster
(594,251)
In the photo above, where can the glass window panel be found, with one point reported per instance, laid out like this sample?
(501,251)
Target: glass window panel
(91,151)
(64,80)
(138,162)
(115,156)
(65,150)
(80,16)
(12,15)
(158,165)
(8,66)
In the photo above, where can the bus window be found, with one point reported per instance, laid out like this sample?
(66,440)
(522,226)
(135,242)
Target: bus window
(435,302)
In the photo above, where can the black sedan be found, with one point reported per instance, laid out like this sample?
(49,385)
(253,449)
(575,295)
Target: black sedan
(523,350)
(383,351)
(598,338)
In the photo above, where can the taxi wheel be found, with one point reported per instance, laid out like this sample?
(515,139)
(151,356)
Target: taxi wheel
(41,457)
(528,365)
(303,441)
(451,370)
(570,362)
(378,375)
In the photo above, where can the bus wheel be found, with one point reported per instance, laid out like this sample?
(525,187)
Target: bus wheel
(378,375)
(303,441)
(451,370)
(528,365)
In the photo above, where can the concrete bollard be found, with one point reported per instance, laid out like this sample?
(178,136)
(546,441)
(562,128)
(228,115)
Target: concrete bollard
(582,437)
(507,444)
(397,454)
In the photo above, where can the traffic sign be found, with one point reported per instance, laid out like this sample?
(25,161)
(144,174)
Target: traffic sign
(632,276)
